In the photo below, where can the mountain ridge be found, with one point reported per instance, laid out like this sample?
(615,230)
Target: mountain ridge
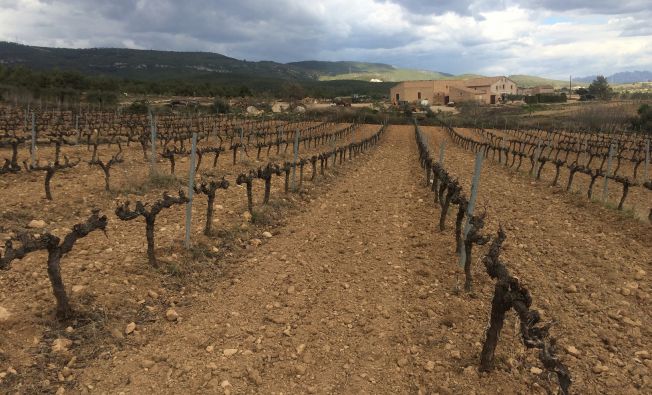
(153,65)
(624,77)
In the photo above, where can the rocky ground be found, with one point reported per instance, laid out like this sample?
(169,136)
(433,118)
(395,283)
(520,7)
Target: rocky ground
(348,287)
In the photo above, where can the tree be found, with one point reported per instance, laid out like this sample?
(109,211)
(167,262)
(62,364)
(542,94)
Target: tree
(293,91)
(221,106)
(644,120)
(600,88)
(582,91)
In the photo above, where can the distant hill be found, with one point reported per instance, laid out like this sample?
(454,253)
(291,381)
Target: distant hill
(140,64)
(323,68)
(396,75)
(361,71)
(528,81)
(626,77)
(158,65)
(198,67)
(163,65)
(467,76)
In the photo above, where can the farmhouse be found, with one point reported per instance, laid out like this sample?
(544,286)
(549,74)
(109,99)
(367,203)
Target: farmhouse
(536,90)
(485,90)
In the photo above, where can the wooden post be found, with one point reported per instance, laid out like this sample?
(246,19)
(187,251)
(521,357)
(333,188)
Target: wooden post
(646,169)
(191,184)
(33,139)
(152,169)
(296,159)
(442,152)
(241,143)
(77,129)
(537,153)
(605,188)
(427,171)
(475,184)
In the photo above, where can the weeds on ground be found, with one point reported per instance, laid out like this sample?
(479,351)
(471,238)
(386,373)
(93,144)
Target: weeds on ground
(270,214)
(201,252)
(626,212)
(173,269)
(154,181)
(18,216)
(231,238)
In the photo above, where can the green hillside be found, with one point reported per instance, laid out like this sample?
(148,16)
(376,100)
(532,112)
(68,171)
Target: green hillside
(467,76)
(369,71)
(140,64)
(361,71)
(195,73)
(321,68)
(528,81)
(163,65)
(395,75)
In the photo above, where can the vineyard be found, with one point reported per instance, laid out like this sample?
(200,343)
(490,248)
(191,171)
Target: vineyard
(221,254)
(623,160)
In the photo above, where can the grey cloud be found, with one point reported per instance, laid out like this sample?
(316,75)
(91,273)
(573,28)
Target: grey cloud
(474,7)
(462,7)
(471,8)
(263,29)
(638,28)
(604,7)
(288,30)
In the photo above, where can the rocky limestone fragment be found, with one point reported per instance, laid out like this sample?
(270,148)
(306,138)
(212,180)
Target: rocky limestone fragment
(171,315)
(61,345)
(131,327)
(36,224)
(4,314)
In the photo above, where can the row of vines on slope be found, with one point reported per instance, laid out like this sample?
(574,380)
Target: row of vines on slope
(171,134)
(22,243)
(566,152)
(509,292)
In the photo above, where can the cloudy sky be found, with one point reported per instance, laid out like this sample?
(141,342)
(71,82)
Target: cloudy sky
(552,38)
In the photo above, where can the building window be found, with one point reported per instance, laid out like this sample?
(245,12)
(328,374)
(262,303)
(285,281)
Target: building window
(419,95)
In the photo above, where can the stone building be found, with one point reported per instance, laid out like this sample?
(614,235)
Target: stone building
(485,90)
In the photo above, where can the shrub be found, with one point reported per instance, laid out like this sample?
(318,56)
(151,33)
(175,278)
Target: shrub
(545,98)
(643,121)
(103,98)
(137,107)
(221,106)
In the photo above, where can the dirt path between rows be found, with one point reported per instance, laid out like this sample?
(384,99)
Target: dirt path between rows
(321,308)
